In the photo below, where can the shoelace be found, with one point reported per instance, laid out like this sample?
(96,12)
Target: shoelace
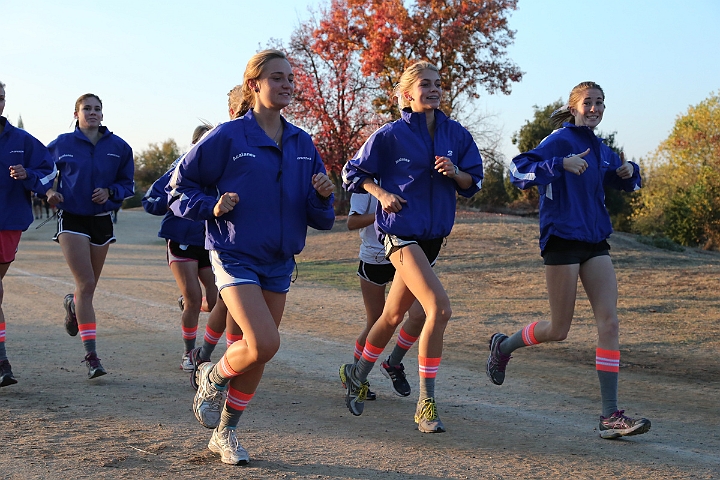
(429,410)
(212,395)
(617,419)
(362,393)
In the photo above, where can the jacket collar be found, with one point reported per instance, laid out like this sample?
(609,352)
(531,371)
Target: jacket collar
(415,119)
(256,136)
(80,135)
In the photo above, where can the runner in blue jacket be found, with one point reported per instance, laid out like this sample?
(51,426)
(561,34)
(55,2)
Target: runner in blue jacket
(187,257)
(95,175)
(270,185)
(571,167)
(25,167)
(420,163)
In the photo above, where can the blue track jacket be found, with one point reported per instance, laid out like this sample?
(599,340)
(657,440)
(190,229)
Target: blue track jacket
(17,147)
(400,157)
(277,199)
(572,206)
(177,229)
(84,167)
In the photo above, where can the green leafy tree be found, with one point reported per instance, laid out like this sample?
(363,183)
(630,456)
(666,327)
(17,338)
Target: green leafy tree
(528,137)
(681,193)
(151,164)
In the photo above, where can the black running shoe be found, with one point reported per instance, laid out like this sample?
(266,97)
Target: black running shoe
(497,361)
(71,323)
(6,375)
(93,364)
(396,373)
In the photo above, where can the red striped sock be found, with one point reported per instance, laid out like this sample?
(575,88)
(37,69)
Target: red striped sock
(528,335)
(2,332)
(404,340)
(428,366)
(87,331)
(225,369)
(211,336)
(371,352)
(232,338)
(189,333)
(358,350)
(607,360)
(237,399)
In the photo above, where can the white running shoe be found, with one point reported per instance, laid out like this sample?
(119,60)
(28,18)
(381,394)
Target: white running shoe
(209,399)
(225,443)
(186,363)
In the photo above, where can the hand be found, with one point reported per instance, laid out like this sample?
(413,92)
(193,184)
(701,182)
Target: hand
(225,204)
(625,170)
(53,197)
(445,166)
(390,202)
(576,164)
(100,195)
(323,185)
(18,172)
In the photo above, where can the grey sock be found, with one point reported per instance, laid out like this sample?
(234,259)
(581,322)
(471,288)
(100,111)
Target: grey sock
(362,370)
(397,355)
(229,417)
(189,344)
(511,344)
(217,378)
(206,350)
(427,388)
(89,345)
(608,391)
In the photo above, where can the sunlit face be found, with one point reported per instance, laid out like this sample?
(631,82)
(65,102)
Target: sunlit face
(89,114)
(2,100)
(589,110)
(426,92)
(276,85)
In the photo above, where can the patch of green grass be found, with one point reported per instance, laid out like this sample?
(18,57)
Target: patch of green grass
(339,274)
(660,241)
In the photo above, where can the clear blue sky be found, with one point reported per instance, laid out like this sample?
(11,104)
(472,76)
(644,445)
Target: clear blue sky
(159,66)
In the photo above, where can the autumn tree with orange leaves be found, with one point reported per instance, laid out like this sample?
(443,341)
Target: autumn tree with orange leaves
(350,54)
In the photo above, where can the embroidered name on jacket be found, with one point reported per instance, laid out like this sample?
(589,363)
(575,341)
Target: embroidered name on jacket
(18,151)
(65,155)
(243,154)
(402,159)
(304,158)
(113,155)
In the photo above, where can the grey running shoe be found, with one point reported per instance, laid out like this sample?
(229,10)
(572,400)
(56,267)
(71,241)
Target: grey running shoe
(618,425)
(497,361)
(225,443)
(396,373)
(209,399)
(427,418)
(370,397)
(71,324)
(181,303)
(196,361)
(6,375)
(186,364)
(355,395)
(93,364)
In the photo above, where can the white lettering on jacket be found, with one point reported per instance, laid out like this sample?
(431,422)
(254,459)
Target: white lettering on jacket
(18,151)
(113,155)
(243,154)
(65,155)
(304,158)
(402,159)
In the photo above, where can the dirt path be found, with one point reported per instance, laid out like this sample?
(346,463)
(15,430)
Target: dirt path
(136,422)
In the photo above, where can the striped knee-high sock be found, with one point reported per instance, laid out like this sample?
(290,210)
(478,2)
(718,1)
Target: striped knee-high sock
(521,338)
(366,362)
(404,343)
(210,340)
(234,407)
(222,373)
(87,335)
(189,334)
(428,371)
(3,354)
(607,364)
(231,338)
